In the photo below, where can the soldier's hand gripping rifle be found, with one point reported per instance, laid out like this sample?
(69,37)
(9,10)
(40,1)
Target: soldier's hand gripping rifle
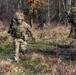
(30,34)
(69,17)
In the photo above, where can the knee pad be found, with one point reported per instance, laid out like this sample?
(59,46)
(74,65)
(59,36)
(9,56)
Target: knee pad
(23,47)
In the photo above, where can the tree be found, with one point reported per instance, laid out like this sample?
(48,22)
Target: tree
(51,10)
(36,7)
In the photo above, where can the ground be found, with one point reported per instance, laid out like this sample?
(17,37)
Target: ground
(38,64)
(52,53)
(8,68)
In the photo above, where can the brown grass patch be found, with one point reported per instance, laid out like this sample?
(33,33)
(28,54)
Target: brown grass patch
(8,68)
(58,33)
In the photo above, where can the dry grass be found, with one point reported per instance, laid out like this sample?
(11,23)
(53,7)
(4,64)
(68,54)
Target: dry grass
(48,33)
(49,65)
(40,64)
(7,68)
(4,36)
(59,32)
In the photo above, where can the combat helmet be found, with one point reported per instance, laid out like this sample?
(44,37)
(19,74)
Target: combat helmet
(73,9)
(18,15)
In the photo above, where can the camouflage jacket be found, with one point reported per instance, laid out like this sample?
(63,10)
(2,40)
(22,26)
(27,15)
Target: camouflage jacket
(20,30)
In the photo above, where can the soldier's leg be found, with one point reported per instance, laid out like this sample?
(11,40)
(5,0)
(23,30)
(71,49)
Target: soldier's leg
(23,46)
(16,46)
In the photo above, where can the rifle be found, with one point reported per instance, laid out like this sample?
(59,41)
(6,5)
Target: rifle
(68,10)
(69,17)
(12,23)
(30,34)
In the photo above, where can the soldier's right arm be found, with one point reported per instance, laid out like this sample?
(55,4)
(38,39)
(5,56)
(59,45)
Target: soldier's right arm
(27,26)
(28,31)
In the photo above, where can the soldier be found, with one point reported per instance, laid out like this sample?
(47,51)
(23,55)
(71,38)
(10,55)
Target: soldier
(18,29)
(72,20)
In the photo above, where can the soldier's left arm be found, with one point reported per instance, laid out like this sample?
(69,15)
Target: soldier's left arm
(29,31)
(27,26)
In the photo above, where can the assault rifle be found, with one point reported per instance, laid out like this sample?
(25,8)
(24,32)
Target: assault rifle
(69,17)
(12,23)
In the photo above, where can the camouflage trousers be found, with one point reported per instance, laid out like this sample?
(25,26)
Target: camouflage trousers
(19,44)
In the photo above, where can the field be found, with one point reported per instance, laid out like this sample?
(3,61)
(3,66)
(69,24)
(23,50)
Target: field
(52,53)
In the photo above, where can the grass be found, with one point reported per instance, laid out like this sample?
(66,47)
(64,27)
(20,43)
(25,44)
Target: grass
(49,67)
(29,65)
(39,45)
(34,67)
(6,51)
(62,46)
(41,64)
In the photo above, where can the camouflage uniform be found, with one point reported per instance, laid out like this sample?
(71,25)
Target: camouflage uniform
(72,20)
(19,33)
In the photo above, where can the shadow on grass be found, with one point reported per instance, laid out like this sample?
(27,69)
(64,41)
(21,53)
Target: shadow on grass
(59,50)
